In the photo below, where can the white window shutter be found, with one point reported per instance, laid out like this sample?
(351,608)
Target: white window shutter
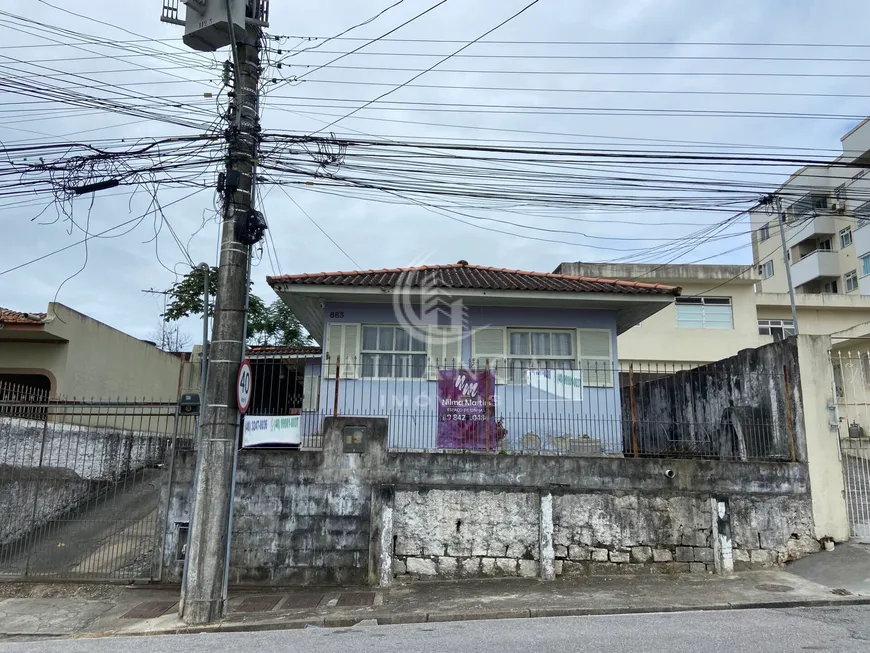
(342,340)
(350,362)
(595,357)
(489,344)
(310,391)
(444,349)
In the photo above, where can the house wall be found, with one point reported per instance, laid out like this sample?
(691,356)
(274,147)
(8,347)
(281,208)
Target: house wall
(659,339)
(44,358)
(104,362)
(413,404)
(96,362)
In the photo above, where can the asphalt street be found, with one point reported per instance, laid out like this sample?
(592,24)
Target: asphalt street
(761,631)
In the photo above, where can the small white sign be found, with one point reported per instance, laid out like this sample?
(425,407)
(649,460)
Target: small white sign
(567,384)
(243,386)
(271,430)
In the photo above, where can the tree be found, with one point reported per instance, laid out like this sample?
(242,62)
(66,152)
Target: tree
(273,324)
(169,337)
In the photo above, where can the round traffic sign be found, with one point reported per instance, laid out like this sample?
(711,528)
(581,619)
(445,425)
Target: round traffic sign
(244,386)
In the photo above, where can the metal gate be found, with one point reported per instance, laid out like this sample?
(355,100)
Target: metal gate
(80,483)
(851,376)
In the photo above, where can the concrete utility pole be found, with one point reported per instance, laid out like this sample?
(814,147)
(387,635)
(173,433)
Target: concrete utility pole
(202,586)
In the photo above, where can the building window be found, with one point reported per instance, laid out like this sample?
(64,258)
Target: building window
(766,270)
(862,215)
(831,288)
(391,352)
(826,245)
(851,279)
(808,206)
(539,349)
(704,313)
(764,232)
(779,329)
(865,265)
(845,237)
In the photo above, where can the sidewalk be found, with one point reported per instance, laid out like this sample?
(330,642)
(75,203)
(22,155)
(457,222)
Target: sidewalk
(41,610)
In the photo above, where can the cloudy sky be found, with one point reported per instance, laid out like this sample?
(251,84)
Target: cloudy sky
(626,54)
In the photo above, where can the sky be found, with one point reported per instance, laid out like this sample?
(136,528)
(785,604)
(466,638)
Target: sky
(616,50)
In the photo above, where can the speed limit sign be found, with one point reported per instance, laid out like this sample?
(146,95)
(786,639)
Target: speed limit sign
(243,387)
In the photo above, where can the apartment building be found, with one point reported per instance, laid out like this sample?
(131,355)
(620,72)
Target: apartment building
(721,311)
(827,208)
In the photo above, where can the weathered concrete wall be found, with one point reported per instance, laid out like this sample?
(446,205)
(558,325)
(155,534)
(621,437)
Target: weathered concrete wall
(465,533)
(94,453)
(315,516)
(740,407)
(299,516)
(31,498)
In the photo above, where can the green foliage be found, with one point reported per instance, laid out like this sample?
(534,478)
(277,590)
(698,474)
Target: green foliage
(273,324)
(186,295)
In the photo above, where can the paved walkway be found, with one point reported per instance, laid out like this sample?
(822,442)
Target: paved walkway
(39,610)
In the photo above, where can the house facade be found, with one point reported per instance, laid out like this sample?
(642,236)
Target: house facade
(66,353)
(468,357)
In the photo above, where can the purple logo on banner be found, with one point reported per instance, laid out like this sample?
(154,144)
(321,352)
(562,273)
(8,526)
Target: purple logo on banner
(466,410)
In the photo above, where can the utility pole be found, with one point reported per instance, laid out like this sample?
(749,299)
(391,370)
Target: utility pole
(786,262)
(202,595)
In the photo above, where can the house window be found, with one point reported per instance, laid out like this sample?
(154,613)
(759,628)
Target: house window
(764,232)
(808,206)
(865,265)
(704,313)
(391,352)
(845,237)
(539,349)
(779,329)
(767,270)
(851,279)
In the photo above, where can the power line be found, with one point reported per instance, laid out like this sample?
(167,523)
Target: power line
(440,61)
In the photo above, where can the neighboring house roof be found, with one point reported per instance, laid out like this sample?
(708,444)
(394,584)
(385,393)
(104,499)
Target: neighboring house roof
(461,275)
(8,316)
(283,350)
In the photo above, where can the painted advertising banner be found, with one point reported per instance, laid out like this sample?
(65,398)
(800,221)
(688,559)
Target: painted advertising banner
(271,431)
(566,384)
(466,410)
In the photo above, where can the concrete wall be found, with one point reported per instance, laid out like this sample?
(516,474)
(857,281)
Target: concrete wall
(740,407)
(305,516)
(30,498)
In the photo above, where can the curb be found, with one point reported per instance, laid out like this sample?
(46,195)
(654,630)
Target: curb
(434,617)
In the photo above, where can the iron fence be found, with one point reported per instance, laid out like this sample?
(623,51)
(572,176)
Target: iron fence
(850,372)
(560,407)
(80,483)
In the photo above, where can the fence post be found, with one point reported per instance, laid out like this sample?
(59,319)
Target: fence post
(633,409)
(36,488)
(166,505)
(486,402)
(337,376)
(788,417)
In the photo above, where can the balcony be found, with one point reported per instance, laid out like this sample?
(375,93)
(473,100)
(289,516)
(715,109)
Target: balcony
(861,238)
(815,265)
(819,227)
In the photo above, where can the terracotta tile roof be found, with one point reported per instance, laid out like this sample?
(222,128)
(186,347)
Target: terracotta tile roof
(282,350)
(8,316)
(465,276)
